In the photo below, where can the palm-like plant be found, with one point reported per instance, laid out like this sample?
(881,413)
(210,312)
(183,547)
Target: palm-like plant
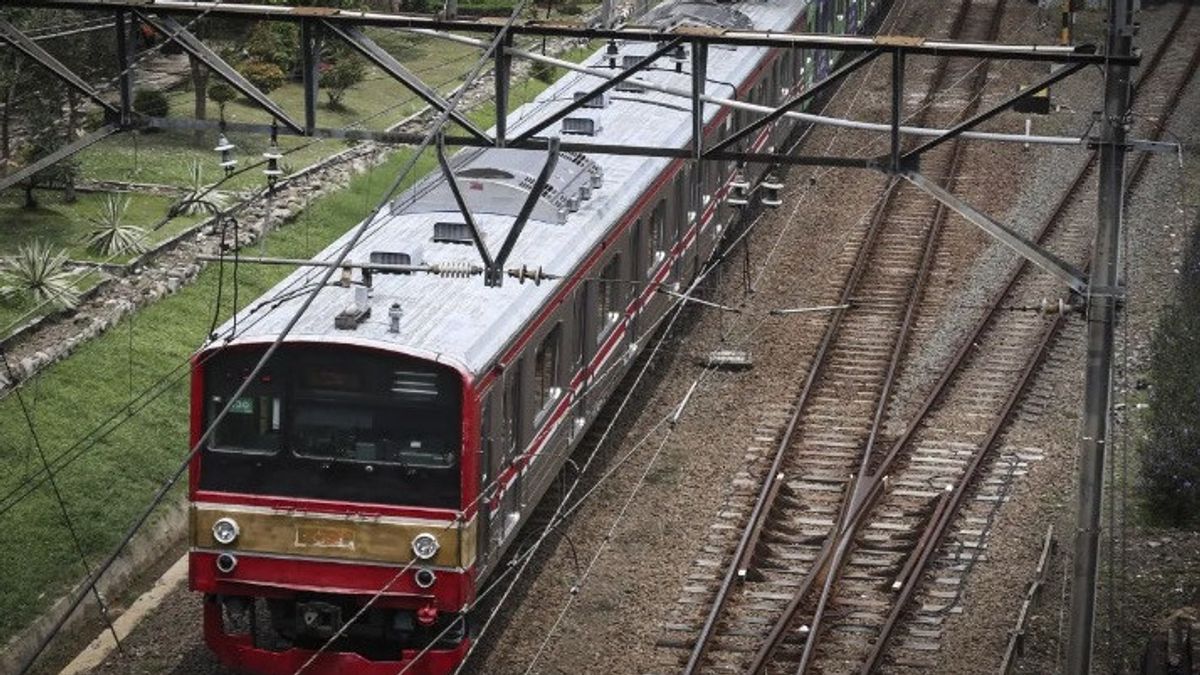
(199,200)
(39,271)
(110,234)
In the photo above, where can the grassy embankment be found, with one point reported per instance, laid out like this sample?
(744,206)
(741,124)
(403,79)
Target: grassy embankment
(108,485)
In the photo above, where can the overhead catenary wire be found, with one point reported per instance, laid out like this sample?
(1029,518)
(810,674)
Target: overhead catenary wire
(31,482)
(604,542)
(62,506)
(356,235)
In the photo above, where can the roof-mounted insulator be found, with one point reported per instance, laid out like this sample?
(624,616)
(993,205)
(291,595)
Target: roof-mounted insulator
(612,51)
(356,312)
(537,276)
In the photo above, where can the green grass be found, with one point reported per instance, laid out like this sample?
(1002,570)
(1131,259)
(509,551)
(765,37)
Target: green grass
(105,488)
(65,225)
(376,103)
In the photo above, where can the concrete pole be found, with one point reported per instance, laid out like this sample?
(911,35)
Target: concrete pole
(606,13)
(451,9)
(1101,310)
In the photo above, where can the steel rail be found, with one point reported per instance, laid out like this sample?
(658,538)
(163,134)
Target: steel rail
(931,540)
(751,533)
(860,486)
(764,504)
(859,511)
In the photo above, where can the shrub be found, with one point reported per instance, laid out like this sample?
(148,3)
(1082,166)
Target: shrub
(151,102)
(542,71)
(1171,454)
(39,271)
(199,200)
(221,93)
(110,234)
(570,9)
(340,77)
(266,76)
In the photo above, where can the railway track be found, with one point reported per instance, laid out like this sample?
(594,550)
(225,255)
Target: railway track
(840,408)
(979,392)
(825,555)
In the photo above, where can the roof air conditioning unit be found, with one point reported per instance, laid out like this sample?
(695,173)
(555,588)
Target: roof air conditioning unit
(583,126)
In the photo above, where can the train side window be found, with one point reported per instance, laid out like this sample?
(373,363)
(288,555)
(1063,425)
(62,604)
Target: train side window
(546,389)
(609,297)
(659,240)
(637,244)
(581,328)
(680,197)
(492,455)
(512,412)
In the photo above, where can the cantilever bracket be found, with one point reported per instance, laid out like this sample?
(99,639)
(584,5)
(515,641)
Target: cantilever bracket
(388,64)
(173,30)
(797,101)
(1002,233)
(13,36)
(493,274)
(1059,74)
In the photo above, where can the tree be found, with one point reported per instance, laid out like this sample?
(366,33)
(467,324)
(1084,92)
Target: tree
(200,93)
(151,102)
(45,135)
(340,77)
(275,42)
(221,93)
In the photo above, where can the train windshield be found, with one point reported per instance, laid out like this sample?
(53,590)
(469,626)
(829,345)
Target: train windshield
(334,423)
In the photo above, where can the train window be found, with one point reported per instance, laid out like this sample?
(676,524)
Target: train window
(637,244)
(336,423)
(679,210)
(659,239)
(609,299)
(512,412)
(581,343)
(546,389)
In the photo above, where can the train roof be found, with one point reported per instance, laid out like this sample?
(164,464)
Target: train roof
(459,321)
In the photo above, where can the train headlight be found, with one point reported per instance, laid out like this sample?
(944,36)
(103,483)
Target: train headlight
(425,546)
(225,530)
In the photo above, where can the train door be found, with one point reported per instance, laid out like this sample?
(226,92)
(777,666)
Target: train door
(491,464)
(583,357)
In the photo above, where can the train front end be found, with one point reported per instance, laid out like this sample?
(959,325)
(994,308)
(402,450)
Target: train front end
(329,529)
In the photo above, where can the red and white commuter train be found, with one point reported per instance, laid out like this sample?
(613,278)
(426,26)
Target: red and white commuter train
(389,461)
